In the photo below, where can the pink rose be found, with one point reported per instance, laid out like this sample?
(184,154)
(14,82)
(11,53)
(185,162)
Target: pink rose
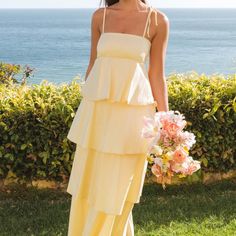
(179,155)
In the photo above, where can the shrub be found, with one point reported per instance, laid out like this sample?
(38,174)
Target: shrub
(8,73)
(34,122)
(209,104)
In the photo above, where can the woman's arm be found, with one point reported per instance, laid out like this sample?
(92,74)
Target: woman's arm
(96,22)
(156,70)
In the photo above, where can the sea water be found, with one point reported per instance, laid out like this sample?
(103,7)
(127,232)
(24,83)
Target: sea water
(56,42)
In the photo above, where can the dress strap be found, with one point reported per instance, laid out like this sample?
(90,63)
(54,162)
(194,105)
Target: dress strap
(103,21)
(148,21)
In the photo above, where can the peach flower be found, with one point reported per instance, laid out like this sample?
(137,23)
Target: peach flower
(156,170)
(180,155)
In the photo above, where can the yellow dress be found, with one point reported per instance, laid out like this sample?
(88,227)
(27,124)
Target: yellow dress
(110,163)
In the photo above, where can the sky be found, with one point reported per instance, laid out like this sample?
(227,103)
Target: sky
(95,3)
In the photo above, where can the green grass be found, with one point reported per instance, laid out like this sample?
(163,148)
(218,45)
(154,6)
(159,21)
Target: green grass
(179,210)
(187,210)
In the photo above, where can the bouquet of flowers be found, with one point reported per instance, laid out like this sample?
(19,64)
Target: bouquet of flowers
(169,146)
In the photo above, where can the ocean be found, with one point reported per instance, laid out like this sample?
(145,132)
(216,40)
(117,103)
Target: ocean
(56,42)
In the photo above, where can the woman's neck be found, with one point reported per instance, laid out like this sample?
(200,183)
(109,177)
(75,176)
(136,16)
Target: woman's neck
(132,5)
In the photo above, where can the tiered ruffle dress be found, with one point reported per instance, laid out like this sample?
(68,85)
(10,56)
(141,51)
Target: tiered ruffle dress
(110,163)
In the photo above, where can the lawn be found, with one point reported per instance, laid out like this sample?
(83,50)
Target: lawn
(208,210)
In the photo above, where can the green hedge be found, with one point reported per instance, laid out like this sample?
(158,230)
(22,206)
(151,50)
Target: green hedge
(209,104)
(33,125)
(34,122)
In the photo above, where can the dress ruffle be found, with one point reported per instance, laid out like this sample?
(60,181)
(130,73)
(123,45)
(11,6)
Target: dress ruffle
(107,180)
(110,160)
(110,127)
(120,80)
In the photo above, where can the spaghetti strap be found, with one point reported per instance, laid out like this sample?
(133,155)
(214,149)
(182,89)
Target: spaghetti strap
(103,21)
(148,21)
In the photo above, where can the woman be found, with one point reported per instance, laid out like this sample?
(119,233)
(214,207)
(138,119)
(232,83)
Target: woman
(109,163)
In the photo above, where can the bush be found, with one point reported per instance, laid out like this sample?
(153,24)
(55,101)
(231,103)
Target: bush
(8,73)
(34,122)
(33,125)
(209,104)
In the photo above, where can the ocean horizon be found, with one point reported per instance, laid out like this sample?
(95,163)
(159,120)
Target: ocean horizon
(56,42)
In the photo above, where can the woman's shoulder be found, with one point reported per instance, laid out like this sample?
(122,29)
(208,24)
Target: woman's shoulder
(162,18)
(97,13)
(97,18)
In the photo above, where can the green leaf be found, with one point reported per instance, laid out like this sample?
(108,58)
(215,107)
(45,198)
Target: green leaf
(23,146)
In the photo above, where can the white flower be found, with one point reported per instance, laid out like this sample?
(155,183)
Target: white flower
(158,161)
(157,150)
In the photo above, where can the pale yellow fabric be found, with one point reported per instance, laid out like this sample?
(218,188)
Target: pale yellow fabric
(95,223)
(110,163)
